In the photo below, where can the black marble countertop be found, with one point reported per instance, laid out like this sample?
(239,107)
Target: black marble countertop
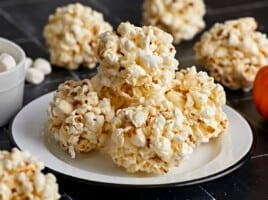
(23,22)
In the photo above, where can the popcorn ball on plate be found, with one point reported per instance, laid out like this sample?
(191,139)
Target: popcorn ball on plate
(181,18)
(78,118)
(71,35)
(135,62)
(233,52)
(150,138)
(200,99)
(21,177)
(155,136)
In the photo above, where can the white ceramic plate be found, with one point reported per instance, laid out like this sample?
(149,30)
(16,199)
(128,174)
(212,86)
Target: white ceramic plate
(209,161)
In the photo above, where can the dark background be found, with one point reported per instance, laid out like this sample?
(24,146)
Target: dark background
(23,20)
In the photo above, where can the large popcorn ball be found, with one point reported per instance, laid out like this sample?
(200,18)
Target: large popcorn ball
(181,18)
(150,138)
(71,35)
(135,62)
(77,118)
(200,99)
(21,177)
(233,52)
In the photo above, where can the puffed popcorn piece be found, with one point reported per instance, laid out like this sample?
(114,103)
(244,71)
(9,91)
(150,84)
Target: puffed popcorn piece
(71,35)
(34,76)
(77,118)
(181,18)
(135,62)
(42,65)
(200,99)
(21,177)
(150,138)
(233,52)
(7,62)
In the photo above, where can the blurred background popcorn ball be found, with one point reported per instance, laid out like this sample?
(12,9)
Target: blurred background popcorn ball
(233,52)
(183,19)
(21,177)
(135,62)
(71,35)
(77,118)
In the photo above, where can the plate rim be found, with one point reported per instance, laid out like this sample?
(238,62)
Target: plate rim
(195,181)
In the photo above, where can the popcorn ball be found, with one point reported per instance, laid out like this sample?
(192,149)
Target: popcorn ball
(150,139)
(71,35)
(233,52)
(200,99)
(21,177)
(78,118)
(135,62)
(181,18)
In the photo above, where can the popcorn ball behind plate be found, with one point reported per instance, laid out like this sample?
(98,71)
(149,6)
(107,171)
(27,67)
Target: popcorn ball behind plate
(21,177)
(135,62)
(71,35)
(233,52)
(181,18)
(78,118)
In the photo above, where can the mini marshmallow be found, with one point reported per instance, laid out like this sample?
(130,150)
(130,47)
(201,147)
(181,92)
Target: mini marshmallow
(28,63)
(7,62)
(42,65)
(34,76)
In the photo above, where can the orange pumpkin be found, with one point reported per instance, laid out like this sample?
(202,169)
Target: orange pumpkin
(260,91)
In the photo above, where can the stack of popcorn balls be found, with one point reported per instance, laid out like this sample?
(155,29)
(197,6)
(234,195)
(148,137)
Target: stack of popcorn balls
(21,177)
(233,52)
(153,116)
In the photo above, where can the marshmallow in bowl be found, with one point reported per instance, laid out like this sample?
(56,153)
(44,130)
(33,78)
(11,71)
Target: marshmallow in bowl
(7,62)
(233,52)
(183,19)
(21,177)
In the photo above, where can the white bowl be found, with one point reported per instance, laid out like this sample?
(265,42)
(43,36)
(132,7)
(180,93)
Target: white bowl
(11,82)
